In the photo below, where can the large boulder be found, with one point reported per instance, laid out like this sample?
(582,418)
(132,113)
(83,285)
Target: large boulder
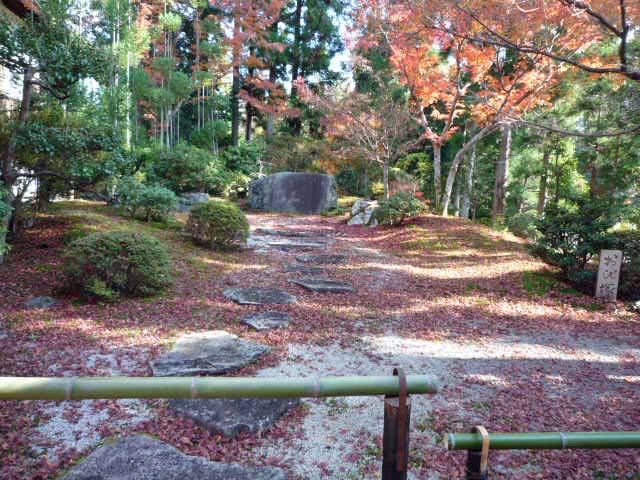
(143,458)
(288,192)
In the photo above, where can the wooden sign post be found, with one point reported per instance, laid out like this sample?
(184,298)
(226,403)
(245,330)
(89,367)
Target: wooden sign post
(609,275)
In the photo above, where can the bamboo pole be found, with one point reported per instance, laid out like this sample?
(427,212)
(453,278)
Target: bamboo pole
(544,440)
(52,388)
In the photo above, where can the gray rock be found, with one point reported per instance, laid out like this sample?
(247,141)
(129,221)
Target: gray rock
(289,192)
(207,353)
(268,320)
(361,213)
(304,269)
(140,457)
(188,200)
(232,416)
(41,302)
(259,296)
(325,285)
(635,307)
(322,259)
(288,246)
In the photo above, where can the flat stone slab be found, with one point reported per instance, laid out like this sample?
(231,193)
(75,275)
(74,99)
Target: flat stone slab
(292,233)
(322,259)
(139,457)
(268,320)
(207,353)
(304,269)
(40,302)
(259,296)
(325,285)
(232,416)
(288,246)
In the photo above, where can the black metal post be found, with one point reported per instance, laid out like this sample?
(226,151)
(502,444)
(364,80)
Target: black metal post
(474,466)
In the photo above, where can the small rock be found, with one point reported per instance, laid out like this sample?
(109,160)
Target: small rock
(268,320)
(207,353)
(322,259)
(139,457)
(41,302)
(324,285)
(635,307)
(361,213)
(189,199)
(304,269)
(232,416)
(259,296)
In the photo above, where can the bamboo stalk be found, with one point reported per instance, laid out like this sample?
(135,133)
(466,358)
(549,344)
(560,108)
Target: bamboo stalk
(52,388)
(544,440)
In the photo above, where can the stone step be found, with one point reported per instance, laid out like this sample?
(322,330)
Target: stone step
(322,259)
(207,353)
(324,285)
(304,269)
(268,320)
(232,416)
(259,296)
(139,457)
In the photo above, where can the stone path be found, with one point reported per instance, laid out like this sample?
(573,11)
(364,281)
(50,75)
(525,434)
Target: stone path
(267,320)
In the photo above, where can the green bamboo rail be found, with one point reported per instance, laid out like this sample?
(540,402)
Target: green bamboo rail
(543,440)
(52,388)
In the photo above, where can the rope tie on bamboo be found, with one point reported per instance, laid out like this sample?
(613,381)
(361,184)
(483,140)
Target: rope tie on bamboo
(194,387)
(68,391)
(564,440)
(484,459)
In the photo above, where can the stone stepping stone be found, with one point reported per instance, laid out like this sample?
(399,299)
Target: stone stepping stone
(268,320)
(207,353)
(139,457)
(291,233)
(259,296)
(304,269)
(41,302)
(324,285)
(322,259)
(232,416)
(288,245)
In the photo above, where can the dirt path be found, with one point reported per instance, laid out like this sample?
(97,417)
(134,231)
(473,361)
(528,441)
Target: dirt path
(515,349)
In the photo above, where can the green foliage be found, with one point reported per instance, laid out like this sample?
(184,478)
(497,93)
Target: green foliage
(420,166)
(107,265)
(629,243)
(5,211)
(218,224)
(523,225)
(244,158)
(154,201)
(186,169)
(398,207)
(216,133)
(290,153)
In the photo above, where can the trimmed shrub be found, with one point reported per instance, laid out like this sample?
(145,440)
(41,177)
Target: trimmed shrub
(157,202)
(107,265)
(154,201)
(218,224)
(523,225)
(398,207)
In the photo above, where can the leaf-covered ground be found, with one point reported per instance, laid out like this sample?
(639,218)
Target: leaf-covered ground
(515,349)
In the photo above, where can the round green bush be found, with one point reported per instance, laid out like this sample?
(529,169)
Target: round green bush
(106,265)
(218,224)
(398,207)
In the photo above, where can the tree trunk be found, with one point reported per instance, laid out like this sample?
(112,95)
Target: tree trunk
(271,118)
(456,198)
(296,123)
(437,174)
(468,186)
(502,174)
(457,160)
(235,90)
(544,181)
(385,179)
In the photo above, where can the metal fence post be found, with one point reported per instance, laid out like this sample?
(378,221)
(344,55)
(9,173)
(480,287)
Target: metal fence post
(395,440)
